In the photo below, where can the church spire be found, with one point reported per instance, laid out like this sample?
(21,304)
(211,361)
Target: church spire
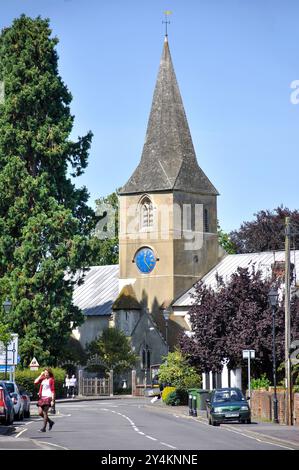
(168,160)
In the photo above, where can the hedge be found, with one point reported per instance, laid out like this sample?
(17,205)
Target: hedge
(177,397)
(166,391)
(25,379)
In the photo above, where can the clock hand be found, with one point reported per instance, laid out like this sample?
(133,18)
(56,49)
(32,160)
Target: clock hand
(145,261)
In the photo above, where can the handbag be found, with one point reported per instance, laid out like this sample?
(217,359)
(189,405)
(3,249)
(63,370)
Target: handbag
(44,402)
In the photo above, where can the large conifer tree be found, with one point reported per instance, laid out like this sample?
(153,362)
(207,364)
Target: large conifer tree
(44,220)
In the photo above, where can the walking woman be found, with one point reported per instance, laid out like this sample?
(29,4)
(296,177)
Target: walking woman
(46,396)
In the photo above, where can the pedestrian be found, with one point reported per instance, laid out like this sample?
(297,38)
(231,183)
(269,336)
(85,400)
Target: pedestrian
(67,385)
(46,396)
(73,385)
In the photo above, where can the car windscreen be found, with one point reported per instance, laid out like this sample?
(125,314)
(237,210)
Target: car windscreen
(227,395)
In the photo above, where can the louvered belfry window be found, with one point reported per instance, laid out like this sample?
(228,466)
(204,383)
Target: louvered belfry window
(147,216)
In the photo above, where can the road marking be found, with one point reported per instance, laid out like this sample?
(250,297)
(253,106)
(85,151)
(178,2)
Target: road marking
(42,444)
(152,438)
(168,445)
(136,429)
(257,438)
(20,433)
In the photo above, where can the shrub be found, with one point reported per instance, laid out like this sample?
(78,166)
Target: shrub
(172,399)
(166,392)
(177,397)
(25,379)
(261,382)
(177,371)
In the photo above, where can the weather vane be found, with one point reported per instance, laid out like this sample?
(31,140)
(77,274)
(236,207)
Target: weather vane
(166,13)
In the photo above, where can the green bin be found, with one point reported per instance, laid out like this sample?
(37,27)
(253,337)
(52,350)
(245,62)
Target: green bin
(201,397)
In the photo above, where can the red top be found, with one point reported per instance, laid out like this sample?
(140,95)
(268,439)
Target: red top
(51,383)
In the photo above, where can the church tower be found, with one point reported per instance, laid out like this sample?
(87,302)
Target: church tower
(168,208)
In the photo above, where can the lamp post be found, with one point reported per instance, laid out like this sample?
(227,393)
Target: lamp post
(166,315)
(273,301)
(7,306)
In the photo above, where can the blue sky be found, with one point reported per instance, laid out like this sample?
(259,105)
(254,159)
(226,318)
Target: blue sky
(235,61)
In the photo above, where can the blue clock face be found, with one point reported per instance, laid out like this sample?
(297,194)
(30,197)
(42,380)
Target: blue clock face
(145,260)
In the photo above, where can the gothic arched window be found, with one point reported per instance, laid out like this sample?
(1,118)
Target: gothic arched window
(146,213)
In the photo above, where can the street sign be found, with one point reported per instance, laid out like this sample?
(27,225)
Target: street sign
(34,365)
(9,368)
(248,354)
(12,352)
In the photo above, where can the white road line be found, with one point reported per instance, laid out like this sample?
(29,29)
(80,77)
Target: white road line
(152,438)
(258,439)
(168,445)
(136,429)
(43,443)
(20,433)
(261,439)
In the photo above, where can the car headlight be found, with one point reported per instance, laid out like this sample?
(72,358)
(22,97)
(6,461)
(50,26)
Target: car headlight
(217,409)
(244,408)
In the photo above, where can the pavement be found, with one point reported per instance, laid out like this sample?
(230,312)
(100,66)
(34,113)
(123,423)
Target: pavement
(286,435)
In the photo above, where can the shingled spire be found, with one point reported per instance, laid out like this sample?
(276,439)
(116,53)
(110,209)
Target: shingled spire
(168,160)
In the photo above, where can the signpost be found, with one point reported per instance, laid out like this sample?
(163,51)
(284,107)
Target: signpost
(9,354)
(248,354)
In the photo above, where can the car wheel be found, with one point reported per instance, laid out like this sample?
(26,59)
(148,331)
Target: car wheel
(214,423)
(248,421)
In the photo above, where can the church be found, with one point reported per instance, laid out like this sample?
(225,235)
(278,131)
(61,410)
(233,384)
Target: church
(167,242)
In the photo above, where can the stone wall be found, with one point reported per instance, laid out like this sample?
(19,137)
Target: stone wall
(262,405)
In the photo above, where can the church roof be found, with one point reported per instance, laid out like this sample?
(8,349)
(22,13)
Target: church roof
(99,290)
(168,160)
(126,300)
(261,261)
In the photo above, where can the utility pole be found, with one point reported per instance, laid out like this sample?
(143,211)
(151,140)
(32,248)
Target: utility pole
(288,381)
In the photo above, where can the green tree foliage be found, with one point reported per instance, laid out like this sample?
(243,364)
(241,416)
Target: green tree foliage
(224,240)
(107,230)
(113,351)
(177,371)
(44,220)
(5,334)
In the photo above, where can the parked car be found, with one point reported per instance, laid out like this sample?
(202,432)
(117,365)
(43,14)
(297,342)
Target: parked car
(6,406)
(17,401)
(25,396)
(226,405)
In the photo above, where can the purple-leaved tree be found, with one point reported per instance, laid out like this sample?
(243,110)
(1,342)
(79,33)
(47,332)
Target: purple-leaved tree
(234,317)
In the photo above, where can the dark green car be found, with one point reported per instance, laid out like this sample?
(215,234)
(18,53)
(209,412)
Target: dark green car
(227,405)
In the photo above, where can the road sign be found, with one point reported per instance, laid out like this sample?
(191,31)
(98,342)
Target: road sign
(248,354)
(34,365)
(12,352)
(9,368)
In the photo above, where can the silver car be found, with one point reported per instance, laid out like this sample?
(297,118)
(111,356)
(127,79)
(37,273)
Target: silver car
(14,393)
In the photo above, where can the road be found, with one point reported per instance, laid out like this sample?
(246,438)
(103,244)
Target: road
(129,424)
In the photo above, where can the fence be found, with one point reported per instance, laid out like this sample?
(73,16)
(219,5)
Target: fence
(94,387)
